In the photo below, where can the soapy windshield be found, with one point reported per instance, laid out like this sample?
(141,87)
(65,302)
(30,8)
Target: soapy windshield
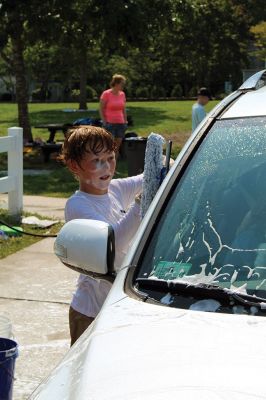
(213,229)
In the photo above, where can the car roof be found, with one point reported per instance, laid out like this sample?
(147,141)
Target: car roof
(248,101)
(250,104)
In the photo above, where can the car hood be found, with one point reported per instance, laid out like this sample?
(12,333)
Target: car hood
(136,350)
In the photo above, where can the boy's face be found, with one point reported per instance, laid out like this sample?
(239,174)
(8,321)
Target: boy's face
(95,171)
(203,100)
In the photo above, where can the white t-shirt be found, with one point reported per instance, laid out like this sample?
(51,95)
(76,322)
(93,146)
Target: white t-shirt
(117,208)
(198,114)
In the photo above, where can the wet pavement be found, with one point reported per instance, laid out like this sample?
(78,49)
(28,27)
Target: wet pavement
(35,292)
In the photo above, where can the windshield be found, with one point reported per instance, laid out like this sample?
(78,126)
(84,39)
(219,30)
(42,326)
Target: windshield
(213,229)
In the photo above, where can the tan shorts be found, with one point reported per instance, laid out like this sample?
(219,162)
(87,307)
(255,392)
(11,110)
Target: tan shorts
(78,323)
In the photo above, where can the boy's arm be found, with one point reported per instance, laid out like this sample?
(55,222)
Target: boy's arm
(129,188)
(127,226)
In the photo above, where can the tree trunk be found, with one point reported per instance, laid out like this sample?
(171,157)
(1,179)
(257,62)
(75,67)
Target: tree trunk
(21,83)
(83,80)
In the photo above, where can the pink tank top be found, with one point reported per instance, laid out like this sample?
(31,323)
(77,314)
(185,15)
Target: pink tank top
(114,106)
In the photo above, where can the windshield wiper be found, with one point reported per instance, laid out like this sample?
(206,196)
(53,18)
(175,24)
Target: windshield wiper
(200,290)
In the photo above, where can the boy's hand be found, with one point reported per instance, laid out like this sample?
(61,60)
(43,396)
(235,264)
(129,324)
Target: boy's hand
(171,163)
(138,199)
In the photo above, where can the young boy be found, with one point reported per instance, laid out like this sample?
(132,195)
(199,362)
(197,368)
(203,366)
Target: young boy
(198,110)
(89,153)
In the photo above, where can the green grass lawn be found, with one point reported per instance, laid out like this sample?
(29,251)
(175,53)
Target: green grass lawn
(169,118)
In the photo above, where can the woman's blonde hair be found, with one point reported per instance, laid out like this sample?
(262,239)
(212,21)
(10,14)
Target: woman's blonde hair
(116,78)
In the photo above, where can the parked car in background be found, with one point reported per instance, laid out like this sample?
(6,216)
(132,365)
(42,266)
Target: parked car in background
(185,318)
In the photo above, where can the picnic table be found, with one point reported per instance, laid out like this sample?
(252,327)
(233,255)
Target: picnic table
(53,128)
(50,146)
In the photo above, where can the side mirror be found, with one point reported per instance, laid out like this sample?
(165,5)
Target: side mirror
(87,246)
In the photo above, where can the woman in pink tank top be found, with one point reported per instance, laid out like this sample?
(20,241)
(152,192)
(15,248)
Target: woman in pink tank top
(113,109)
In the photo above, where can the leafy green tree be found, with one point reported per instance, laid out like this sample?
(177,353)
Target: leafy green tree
(6,70)
(12,25)
(22,23)
(114,28)
(79,27)
(205,43)
(46,63)
(259,32)
(254,11)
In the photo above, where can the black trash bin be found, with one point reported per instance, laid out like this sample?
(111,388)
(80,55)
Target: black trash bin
(135,154)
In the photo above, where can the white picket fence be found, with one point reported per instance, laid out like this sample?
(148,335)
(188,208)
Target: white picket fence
(13,182)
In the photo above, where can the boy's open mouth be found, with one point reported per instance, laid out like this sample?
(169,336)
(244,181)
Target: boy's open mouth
(105,177)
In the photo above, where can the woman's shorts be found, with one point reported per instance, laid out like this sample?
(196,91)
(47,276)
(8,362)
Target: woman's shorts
(117,130)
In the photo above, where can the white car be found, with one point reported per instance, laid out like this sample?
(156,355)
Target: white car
(186,316)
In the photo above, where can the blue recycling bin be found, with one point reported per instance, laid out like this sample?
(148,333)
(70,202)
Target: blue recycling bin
(8,355)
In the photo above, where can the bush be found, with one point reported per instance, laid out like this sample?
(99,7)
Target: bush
(193,92)
(157,91)
(36,94)
(142,92)
(221,96)
(129,92)
(99,89)
(177,91)
(91,93)
(75,94)
(6,97)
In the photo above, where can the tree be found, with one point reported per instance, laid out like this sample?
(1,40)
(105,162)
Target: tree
(46,63)
(22,23)
(80,32)
(6,71)
(259,32)
(116,28)
(205,43)
(12,21)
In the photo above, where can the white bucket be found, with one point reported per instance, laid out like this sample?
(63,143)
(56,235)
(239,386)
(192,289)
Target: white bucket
(5,327)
